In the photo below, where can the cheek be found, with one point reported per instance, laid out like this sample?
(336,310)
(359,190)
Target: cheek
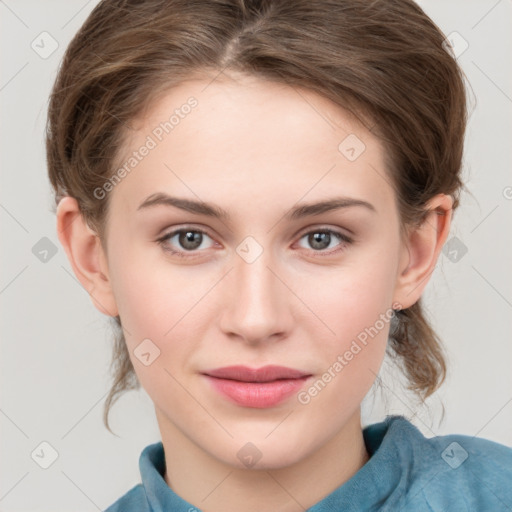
(352,357)
(152,295)
(158,302)
(355,306)
(153,313)
(352,298)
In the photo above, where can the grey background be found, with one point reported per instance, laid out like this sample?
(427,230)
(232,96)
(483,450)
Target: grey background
(56,346)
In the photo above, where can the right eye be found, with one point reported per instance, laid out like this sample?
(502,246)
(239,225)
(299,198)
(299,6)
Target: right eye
(187,240)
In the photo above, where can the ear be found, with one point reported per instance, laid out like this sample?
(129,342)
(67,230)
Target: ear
(85,254)
(421,250)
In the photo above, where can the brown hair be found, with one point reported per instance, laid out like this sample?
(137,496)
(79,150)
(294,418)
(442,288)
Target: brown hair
(383,60)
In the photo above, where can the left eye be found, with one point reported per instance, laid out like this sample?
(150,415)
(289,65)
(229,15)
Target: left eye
(321,239)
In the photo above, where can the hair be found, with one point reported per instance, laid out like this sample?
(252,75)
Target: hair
(383,60)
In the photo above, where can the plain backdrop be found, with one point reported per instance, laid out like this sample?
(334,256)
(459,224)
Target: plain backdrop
(55,347)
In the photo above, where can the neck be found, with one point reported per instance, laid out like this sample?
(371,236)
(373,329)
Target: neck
(212,485)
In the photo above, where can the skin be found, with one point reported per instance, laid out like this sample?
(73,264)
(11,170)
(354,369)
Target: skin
(255,149)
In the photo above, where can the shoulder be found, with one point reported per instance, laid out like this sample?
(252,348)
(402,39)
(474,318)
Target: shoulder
(477,470)
(134,500)
(456,472)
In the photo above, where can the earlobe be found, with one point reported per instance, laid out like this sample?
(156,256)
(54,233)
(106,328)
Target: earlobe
(423,246)
(85,254)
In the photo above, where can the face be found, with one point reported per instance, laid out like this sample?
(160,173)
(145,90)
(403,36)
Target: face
(268,279)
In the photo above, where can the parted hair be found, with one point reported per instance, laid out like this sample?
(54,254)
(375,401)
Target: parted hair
(385,61)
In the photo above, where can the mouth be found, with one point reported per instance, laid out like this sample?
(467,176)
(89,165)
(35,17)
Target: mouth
(258,388)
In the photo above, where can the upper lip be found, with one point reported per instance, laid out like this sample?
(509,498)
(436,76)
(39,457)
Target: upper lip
(264,374)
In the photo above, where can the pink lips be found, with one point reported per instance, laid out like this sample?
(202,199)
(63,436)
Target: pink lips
(259,388)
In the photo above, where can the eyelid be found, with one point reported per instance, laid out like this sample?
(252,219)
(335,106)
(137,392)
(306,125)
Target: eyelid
(336,230)
(174,231)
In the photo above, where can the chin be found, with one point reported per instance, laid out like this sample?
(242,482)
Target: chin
(266,454)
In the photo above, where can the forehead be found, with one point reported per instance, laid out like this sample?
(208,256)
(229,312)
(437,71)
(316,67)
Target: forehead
(256,136)
(244,103)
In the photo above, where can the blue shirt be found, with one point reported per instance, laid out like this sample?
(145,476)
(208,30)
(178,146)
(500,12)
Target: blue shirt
(406,472)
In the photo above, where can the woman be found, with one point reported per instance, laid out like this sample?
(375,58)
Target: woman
(258,192)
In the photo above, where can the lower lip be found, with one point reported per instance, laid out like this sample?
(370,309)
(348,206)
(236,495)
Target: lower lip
(257,394)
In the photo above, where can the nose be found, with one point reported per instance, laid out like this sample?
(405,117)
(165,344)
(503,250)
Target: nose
(257,305)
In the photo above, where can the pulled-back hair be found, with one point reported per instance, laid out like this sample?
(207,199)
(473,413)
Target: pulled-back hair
(383,60)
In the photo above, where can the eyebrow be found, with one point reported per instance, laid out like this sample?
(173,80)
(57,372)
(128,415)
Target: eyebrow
(211,210)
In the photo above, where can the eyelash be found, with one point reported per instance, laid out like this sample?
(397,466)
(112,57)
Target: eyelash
(344,239)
